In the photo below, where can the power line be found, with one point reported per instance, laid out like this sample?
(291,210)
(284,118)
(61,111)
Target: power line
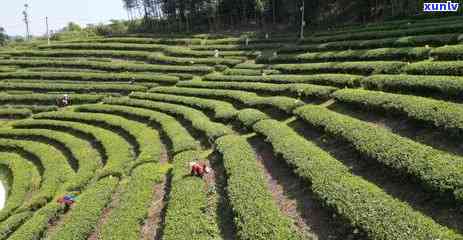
(26,20)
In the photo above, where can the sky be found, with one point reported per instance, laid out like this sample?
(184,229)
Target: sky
(59,13)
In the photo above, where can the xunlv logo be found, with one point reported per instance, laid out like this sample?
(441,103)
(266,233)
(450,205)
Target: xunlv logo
(449,6)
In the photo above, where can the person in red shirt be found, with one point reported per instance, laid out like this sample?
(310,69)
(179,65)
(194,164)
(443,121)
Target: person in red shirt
(198,169)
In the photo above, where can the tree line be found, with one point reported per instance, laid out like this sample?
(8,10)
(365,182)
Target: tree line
(213,15)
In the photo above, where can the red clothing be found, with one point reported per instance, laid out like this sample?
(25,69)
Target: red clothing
(198,170)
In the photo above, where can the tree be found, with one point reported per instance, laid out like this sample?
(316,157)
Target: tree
(3,36)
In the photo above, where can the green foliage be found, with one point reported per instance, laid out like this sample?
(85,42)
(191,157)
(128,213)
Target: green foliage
(221,109)
(89,77)
(256,214)
(448,116)
(178,136)
(146,140)
(35,227)
(408,41)
(116,149)
(198,119)
(82,219)
(454,68)
(125,221)
(363,204)
(453,52)
(400,54)
(51,164)
(249,116)
(84,159)
(298,90)
(106,66)
(25,179)
(187,214)
(46,99)
(15,112)
(77,88)
(433,168)
(339,80)
(247,98)
(364,68)
(447,86)
(10,225)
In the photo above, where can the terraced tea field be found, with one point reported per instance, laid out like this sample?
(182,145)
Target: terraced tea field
(348,134)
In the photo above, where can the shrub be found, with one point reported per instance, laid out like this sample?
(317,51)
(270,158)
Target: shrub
(364,68)
(365,205)
(82,219)
(109,66)
(116,150)
(247,98)
(435,68)
(124,222)
(88,77)
(179,137)
(198,120)
(448,86)
(448,116)
(339,80)
(434,169)
(256,214)
(301,90)
(187,214)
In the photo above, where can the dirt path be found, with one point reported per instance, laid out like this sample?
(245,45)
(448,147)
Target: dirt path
(218,199)
(391,181)
(107,212)
(296,200)
(152,228)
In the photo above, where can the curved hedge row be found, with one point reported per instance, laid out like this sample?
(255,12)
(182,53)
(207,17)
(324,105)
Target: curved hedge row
(52,165)
(116,149)
(15,113)
(364,68)
(25,179)
(125,221)
(303,90)
(365,205)
(109,66)
(441,114)
(179,137)
(454,68)
(47,99)
(187,215)
(256,214)
(248,98)
(249,116)
(408,41)
(379,54)
(248,72)
(453,52)
(440,29)
(79,223)
(434,169)
(147,142)
(448,86)
(198,119)
(84,159)
(79,88)
(34,227)
(89,77)
(337,80)
(222,110)
(10,225)
(123,54)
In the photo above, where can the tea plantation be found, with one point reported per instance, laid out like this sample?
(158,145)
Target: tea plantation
(351,133)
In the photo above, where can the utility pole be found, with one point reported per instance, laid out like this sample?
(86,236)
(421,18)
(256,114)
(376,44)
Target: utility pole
(302,19)
(26,20)
(48,31)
